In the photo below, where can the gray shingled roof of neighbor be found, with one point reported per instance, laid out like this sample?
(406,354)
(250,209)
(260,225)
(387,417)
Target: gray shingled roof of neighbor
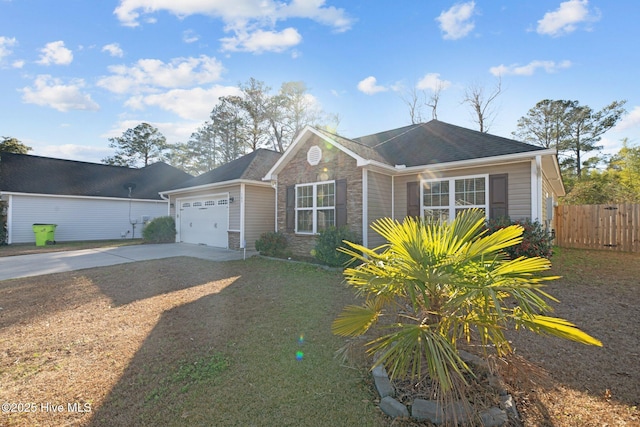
(252,166)
(24,173)
(438,142)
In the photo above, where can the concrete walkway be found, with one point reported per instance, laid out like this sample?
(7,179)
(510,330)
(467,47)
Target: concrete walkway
(13,267)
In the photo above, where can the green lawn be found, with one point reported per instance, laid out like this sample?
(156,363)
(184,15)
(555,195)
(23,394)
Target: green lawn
(271,362)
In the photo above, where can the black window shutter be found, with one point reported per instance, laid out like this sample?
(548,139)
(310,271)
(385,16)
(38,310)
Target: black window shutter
(498,196)
(413,199)
(291,208)
(341,203)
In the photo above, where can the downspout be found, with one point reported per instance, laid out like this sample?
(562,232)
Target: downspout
(365,208)
(163,197)
(274,185)
(393,197)
(10,220)
(243,200)
(536,189)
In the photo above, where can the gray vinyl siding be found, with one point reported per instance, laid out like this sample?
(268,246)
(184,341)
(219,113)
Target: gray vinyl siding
(260,213)
(519,186)
(80,218)
(379,204)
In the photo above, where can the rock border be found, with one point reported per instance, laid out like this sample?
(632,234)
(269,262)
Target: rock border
(455,412)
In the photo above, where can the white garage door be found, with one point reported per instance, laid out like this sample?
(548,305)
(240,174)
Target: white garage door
(204,221)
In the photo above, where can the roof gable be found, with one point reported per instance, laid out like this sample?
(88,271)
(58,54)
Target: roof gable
(24,173)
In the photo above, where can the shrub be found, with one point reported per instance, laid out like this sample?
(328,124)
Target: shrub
(536,241)
(444,283)
(328,242)
(272,243)
(3,223)
(160,230)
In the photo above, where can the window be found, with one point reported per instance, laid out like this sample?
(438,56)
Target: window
(444,199)
(315,207)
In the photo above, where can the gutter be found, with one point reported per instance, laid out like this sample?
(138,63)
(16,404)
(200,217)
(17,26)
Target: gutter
(215,185)
(461,164)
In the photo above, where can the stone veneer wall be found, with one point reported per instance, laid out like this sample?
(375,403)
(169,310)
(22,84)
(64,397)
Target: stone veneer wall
(334,165)
(234,240)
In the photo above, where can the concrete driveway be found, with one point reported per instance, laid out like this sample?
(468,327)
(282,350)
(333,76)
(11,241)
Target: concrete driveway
(13,267)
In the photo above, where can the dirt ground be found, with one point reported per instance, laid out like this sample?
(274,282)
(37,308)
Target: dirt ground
(55,330)
(561,383)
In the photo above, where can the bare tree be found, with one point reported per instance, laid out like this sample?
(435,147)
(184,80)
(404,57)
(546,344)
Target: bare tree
(434,98)
(415,102)
(482,103)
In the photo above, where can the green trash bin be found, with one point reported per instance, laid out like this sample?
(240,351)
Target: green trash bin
(45,234)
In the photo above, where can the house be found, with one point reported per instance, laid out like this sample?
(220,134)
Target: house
(429,170)
(228,207)
(87,201)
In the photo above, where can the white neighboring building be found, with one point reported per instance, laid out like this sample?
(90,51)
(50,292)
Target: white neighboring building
(87,201)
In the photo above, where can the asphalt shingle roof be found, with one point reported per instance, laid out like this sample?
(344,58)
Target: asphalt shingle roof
(252,166)
(24,173)
(438,142)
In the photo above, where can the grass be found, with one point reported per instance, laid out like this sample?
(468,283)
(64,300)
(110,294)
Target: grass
(184,341)
(193,343)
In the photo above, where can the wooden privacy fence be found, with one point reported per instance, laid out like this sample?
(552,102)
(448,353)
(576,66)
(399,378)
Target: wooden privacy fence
(612,227)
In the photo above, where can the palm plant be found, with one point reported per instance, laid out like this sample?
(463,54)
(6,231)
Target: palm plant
(444,282)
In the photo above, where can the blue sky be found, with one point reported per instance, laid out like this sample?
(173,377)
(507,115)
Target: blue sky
(74,73)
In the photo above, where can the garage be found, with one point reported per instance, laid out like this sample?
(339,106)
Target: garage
(204,221)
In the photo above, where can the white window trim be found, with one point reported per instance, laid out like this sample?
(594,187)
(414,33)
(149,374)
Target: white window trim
(314,209)
(452,194)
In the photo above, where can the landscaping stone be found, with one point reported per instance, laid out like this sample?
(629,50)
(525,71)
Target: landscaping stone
(393,408)
(383,384)
(494,417)
(458,412)
(506,402)
(428,410)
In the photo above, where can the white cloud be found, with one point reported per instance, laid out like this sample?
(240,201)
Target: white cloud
(51,92)
(370,86)
(6,44)
(262,41)
(173,131)
(151,75)
(456,22)
(529,69)
(433,82)
(84,153)
(55,53)
(129,11)
(566,18)
(189,36)
(630,120)
(248,20)
(18,64)
(191,104)
(114,49)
